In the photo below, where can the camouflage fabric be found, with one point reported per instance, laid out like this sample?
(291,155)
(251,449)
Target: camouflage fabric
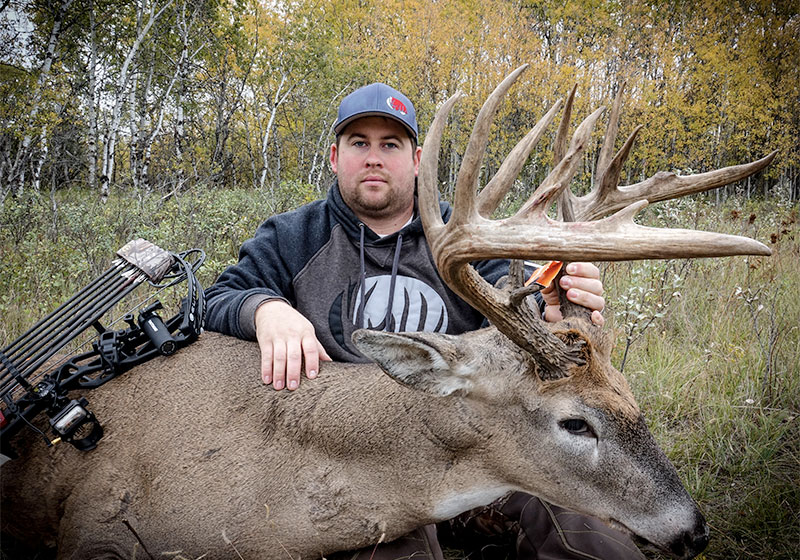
(147,257)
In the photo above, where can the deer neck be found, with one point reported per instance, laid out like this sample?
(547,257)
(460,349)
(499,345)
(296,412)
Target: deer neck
(352,413)
(424,455)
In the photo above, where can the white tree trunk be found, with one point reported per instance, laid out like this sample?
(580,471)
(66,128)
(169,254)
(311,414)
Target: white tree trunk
(24,152)
(92,102)
(147,143)
(110,144)
(44,148)
(134,128)
(318,161)
(279,100)
(179,133)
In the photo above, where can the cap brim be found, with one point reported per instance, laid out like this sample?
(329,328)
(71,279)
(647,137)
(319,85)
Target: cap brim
(342,125)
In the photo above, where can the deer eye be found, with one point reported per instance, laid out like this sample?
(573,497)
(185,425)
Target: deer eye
(577,427)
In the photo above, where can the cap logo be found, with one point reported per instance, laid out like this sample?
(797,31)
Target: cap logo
(396,105)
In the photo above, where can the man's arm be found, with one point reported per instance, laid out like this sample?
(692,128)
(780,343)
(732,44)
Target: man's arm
(261,274)
(253,300)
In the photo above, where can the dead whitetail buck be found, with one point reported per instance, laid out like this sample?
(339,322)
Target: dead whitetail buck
(200,460)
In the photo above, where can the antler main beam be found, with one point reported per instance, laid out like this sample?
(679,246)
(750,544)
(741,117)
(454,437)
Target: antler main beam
(531,234)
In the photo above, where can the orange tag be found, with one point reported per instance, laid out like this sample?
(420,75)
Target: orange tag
(545,274)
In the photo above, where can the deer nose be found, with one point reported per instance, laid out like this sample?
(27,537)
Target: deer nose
(693,542)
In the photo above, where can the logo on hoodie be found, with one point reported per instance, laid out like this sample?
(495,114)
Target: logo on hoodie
(415,305)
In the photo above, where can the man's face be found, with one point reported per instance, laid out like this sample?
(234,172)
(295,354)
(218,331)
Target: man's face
(376,164)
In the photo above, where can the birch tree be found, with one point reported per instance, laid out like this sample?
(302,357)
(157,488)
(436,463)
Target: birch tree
(91,101)
(185,22)
(112,132)
(24,153)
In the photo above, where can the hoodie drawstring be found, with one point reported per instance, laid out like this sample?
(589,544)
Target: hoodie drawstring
(388,326)
(363,286)
(388,321)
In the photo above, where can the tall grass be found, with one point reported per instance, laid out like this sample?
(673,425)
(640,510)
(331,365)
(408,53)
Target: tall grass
(53,245)
(713,345)
(718,377)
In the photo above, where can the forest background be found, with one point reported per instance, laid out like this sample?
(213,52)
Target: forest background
(188,122)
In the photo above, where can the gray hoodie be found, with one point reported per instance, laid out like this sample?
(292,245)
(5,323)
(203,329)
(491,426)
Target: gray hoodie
(341,276)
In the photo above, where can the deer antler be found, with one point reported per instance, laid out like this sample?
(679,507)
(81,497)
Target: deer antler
(531,234)
(607,196)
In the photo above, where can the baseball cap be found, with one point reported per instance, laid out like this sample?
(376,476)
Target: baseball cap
(377,100)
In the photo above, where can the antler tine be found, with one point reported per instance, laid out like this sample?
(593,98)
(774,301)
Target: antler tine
(607,196)
(609,180)
(612,129)
(494,191)
(429,171)
(559,178)
(566,200)
(560,144)
(467,181)
(636,242)
(664,186)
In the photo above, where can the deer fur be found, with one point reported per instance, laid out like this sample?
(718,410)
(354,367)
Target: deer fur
(201,459)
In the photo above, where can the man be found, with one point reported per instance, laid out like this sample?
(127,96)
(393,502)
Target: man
(312,276)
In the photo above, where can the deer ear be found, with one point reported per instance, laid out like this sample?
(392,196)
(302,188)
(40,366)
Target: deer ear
(422,361)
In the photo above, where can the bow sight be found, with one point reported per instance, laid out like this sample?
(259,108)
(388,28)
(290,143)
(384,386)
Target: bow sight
(29,384)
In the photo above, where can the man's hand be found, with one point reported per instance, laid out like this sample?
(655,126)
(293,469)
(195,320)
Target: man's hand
(286,339)
(583,285)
